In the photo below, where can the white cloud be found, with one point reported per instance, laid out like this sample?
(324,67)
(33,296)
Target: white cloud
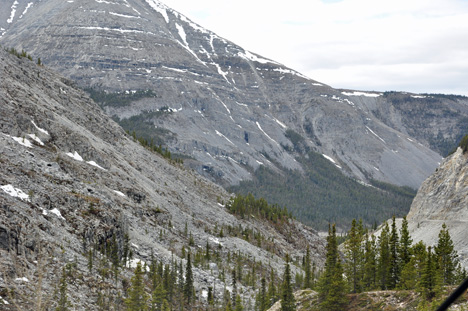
(416,45)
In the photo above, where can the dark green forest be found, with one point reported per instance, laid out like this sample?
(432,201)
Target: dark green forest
(323,194)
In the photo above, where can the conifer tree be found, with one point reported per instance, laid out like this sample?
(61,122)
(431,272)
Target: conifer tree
(354,257)
(261,300)
(137,296)
(239,306)
(158,298)
(272,295)
(370,264)
(188,284)
(405,243)
(447,257)
(308,273)
(394,269)
(430,280)
(383,267)
(332,287)
(63,304)
(288,302)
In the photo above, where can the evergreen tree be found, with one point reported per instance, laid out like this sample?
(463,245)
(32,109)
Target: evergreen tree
(239,306)
(430,280)
(137,296)
(383,267)
(370,264)
(447,257)
(272,295)
(188,284)
(332,287)
(308,273)
(405,243)
(158,298)
(354,257)
(394,269)
(288,302)
(63,304)
(261,301)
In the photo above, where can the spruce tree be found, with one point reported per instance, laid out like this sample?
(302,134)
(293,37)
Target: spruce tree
(63,304)
(137,297)
(308,273)
(370,264)
(447,257)
(383,267)
(430,280)
(332,287)
(188,284)
(288,302)
(394,269)
(405,243)
(354,257)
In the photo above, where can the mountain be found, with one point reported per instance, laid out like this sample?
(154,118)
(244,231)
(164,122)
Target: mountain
(441,199)
(228,111)
(80,200)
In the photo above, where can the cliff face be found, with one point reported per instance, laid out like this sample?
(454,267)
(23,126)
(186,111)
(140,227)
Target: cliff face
(71,181)
(443,198)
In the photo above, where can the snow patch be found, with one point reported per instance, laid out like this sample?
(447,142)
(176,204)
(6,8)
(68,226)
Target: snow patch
(26,9)
(54,211)
(331,160)
(221,135)
(123,15)
(23,279)
(119,193)
(215,240)
(13,12)
(160,8)
(74,155)
(280,123)
(132,263)
(96,165)
(260,128)
(356,93)
(115,29)
(291,72)
(418,96)
(22,141)
(36,139)
(15,192)
(376,135)
(4,301)
(249,56)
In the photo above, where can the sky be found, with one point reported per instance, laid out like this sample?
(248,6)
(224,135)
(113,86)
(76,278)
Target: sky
(418,46)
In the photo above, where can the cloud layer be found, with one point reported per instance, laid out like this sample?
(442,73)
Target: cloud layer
(415,46)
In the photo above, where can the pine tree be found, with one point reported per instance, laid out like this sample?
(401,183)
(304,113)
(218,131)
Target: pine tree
(239,306)
(446,256)
(188,284)
(332,287)
(308,274)
(288,302)
(383,267)
(394,269)
(354,257)
(137,296)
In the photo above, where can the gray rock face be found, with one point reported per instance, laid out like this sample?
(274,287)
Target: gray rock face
(71,178)
(443,198)
(230,107)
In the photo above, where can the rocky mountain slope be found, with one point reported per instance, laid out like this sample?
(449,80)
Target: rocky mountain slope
(443,198)
(74,186)
(227,108)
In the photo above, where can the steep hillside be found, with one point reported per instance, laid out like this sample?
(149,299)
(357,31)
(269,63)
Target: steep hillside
(77,193)
(443,198)
(225,107)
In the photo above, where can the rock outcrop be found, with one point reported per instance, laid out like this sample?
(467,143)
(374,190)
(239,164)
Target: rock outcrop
(443,198)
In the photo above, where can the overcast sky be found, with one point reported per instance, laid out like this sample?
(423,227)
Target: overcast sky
(402,45)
